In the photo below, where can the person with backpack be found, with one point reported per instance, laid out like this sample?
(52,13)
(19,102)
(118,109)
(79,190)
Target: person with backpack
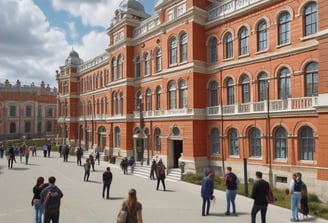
(50,197)
(231,184)
(295,189)
(160,174)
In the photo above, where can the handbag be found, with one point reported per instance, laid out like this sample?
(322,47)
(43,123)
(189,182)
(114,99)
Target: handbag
(270,197)
(122,215)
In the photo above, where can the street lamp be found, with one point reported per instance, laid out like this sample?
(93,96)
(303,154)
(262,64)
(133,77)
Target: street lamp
(142,129)
(268,132)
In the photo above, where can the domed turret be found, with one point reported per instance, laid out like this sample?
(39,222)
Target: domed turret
(133,5)
(73,59)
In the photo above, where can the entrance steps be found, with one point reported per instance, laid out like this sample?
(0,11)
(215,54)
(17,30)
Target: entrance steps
(143,171)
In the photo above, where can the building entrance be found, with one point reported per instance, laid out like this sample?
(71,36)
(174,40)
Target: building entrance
(177,149)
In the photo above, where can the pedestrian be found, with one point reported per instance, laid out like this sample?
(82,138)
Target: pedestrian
(21,153)
(207,190)
(92,161)
(87,167)
(34,150)
(304,202)
(124,165)
(98,157)
(2,150)
(259,192)
(131,164)
(40,185)
(107,180)
(66,153)
(49,148)
(60,150)
(160,174)
(295,189)
(27,153)
(45,150)
(79,154)
(11,157)
(153,170)
(231,184)
(50,198)
(133,207)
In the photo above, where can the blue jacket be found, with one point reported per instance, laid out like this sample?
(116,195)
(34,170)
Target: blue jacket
(207,187)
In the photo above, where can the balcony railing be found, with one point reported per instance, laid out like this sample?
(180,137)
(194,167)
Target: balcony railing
(164,113)
(290,104)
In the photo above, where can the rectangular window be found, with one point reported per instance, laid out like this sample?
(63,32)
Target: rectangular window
(170,15)
(12,111)
(28,111)
(50,112)
(181,9)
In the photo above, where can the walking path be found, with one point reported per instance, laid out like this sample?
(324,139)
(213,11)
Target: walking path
(83,203)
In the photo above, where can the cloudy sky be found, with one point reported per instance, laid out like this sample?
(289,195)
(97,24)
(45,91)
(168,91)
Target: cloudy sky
(36,36)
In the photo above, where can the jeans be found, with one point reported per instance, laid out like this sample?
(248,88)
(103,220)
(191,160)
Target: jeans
(38,212)
(230,197)
(257,208)
(206,200)
(51,217)
(106,187)
(295,200)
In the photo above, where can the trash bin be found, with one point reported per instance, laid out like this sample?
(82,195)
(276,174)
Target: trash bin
(182,167)
(113,160)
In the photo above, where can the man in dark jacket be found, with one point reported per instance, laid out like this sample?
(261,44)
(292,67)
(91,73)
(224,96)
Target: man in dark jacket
(259,192)
(107,180)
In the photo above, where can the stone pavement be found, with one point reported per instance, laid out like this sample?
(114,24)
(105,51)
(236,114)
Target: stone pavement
(82,201)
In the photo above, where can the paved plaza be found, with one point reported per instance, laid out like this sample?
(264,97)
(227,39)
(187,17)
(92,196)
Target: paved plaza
(83,203)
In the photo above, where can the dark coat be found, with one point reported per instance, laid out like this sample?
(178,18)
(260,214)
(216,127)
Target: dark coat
(259,192)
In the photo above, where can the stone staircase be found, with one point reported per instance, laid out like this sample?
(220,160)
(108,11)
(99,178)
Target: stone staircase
(144,171)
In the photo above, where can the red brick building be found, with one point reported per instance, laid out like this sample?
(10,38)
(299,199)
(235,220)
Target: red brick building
(208,83)
(27,110)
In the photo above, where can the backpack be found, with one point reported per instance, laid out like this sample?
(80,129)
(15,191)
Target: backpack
(231,180)
(270,197)
(52,201)
(299,185)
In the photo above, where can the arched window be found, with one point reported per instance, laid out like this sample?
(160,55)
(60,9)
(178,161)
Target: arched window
(228,45)
(262,35)
(120,104)
(311,80)
(183,47)
(307,144)
(117,135)
(215,141)
(310,19)
(114,69)
(284,28)
(183,94)
(115,103)
(158,140)
(172,95)
(281,144)
(173,51)
(120,67)
(243,41)
(230,92)
(255,143)
(245,88)
(284,83)
(213,50)
(147,64)
(158,97)
(137,67)
(27,127)
(158,60)
(148,100)
(213,93)
(138,101)
(263,86)
(233,142)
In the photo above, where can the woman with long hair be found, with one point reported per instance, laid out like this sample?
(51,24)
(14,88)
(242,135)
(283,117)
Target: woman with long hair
(133,208)
(40,185)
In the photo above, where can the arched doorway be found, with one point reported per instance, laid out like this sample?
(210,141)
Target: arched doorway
(101,138)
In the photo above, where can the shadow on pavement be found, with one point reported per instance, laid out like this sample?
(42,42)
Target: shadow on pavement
(116,198)
(94,181)
(19,168)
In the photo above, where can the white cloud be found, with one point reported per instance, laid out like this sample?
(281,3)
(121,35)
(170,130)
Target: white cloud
(91,12)
(30,50)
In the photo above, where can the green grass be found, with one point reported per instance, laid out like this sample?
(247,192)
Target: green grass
(316,207)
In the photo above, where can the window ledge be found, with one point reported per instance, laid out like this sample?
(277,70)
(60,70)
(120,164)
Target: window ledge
(283,45)
(305,38)
(244,55)
(262,51)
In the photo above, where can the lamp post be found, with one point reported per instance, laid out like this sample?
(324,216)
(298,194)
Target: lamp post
(142,129)
(268,133)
